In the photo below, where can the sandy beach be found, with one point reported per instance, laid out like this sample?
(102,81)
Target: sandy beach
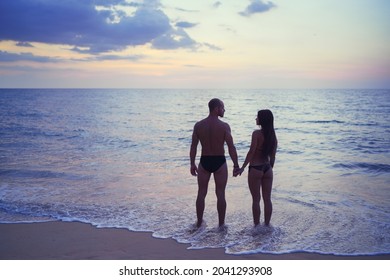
(79,241)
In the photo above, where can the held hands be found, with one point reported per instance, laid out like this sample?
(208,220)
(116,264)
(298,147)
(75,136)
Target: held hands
(238,171)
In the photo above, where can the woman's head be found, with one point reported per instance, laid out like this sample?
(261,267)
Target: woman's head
(265,118)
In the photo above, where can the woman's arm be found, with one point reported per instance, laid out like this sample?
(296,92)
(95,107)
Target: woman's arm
(251,152)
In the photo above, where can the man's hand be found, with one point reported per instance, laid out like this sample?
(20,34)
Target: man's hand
(194,170)
(236,171)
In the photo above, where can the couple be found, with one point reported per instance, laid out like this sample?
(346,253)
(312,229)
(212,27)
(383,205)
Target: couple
(213,134)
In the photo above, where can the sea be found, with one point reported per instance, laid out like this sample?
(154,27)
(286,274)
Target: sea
(119,158)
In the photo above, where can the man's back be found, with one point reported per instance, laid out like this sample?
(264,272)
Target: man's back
(211,133)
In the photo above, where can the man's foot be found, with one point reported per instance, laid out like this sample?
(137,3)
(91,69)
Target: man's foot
(222,228)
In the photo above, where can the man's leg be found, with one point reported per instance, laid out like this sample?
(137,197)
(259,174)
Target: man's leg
(203,182)
(220,177)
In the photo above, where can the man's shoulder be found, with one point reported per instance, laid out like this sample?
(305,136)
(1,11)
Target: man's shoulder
(201,122)
(225,124)
(222,122)
(207,122)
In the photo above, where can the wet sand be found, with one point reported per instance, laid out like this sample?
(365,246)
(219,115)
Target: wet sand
(79,241)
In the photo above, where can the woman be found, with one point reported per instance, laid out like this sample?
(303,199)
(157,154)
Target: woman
(261,157)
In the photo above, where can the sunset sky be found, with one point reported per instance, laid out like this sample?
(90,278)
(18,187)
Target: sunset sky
(195,44)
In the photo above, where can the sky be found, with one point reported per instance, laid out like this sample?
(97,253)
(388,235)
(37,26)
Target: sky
(194,44)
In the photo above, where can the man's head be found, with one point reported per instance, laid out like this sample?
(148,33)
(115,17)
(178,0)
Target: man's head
(216,107)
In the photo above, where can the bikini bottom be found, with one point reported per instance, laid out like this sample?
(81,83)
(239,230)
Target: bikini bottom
(263,167)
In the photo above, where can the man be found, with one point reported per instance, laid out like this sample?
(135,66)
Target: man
(212,134)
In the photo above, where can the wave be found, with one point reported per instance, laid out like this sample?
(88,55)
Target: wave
(364,166)
(325,122)
(97,215)
(42,174)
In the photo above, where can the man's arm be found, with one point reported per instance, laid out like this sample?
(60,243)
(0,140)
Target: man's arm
(231,148)
(193,149)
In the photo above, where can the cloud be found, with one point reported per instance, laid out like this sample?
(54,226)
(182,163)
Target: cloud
(26,56)
(193,66)
(24,44)
(95,26)
(185,24)
(115,57)
(173,40)
(12,57)
(257,6)
(217,4)
(186,10)
(212,47)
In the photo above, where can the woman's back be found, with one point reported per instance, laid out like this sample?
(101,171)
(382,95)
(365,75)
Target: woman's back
(258,156)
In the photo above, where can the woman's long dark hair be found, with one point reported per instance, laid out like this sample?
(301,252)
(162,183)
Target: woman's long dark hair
(266,120)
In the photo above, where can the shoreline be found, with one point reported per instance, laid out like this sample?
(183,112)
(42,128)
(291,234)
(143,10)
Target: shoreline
(80,241)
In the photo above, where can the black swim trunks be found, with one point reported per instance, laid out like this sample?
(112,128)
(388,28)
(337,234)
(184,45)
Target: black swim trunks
(212,163)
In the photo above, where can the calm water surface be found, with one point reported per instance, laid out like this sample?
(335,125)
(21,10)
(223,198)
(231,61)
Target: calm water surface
(119,158)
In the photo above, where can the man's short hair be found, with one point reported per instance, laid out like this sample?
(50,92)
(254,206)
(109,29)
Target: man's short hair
(214,103)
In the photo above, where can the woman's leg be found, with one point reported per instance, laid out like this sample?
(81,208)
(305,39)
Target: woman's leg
(266,191)
(254,182)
